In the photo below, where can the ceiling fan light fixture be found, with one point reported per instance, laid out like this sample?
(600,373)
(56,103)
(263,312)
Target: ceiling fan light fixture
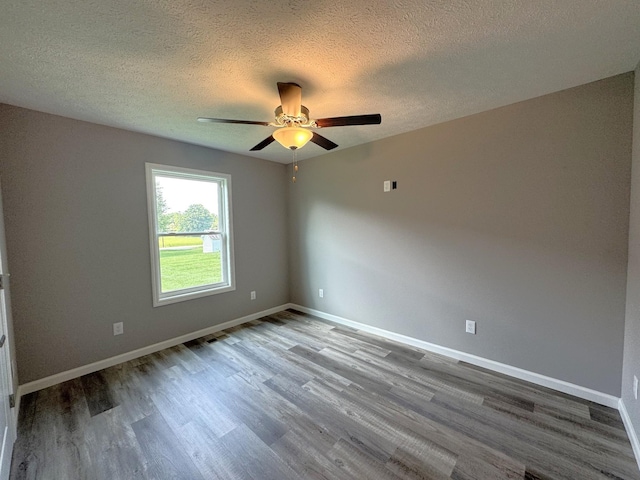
(292,138)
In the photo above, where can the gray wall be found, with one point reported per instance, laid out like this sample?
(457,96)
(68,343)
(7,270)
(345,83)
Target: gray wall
(516,218)
(77,234)
(631,363)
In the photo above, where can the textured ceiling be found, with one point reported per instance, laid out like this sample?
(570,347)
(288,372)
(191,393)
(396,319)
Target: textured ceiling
(154,66)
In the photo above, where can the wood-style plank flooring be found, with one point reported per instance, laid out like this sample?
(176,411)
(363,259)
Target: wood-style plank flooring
(293,397)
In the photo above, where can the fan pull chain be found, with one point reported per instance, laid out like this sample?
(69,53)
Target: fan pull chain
(295,166)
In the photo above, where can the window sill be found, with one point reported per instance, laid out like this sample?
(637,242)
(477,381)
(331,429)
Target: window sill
(183,297)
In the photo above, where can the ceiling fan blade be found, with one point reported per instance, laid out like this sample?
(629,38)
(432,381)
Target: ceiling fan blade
(290,98)
(267,141)
(323,142)
(225,120)
(373,119)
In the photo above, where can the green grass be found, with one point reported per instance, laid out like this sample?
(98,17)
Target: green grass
(179,241)
(189,268)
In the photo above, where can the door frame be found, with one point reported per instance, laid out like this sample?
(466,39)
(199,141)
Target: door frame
(7,375)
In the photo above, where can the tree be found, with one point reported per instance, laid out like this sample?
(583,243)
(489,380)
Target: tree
(196,218)
(175,222)
(164,218)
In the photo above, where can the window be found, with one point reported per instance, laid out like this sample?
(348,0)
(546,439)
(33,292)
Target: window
(190,232)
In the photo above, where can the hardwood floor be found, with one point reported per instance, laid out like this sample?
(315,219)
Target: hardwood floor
(293,397)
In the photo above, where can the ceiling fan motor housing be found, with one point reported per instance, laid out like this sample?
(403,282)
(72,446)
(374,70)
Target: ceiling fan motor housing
(285,120)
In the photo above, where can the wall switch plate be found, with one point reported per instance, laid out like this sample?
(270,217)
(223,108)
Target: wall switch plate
(635,387)
(394,185)
(387,185)
(253,295)
(118,328)
(471,327)
(321,293)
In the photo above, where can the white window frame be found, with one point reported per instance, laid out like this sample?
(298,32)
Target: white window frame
(225,228)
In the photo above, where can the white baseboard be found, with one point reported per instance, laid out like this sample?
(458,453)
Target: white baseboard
(536,378)
(631,432)
(125,357)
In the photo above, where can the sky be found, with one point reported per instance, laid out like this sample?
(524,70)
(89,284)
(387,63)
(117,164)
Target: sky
(179,193)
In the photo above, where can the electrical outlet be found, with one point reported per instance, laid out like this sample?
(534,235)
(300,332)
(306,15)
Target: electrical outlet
(118,328)
(635,387)
(321,293)
(471,327)
(387,185)
(253,295)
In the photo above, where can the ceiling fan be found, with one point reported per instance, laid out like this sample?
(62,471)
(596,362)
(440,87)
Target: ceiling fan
(293,122)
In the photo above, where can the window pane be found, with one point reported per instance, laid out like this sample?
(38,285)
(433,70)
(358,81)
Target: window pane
(186,205)
(190,261)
